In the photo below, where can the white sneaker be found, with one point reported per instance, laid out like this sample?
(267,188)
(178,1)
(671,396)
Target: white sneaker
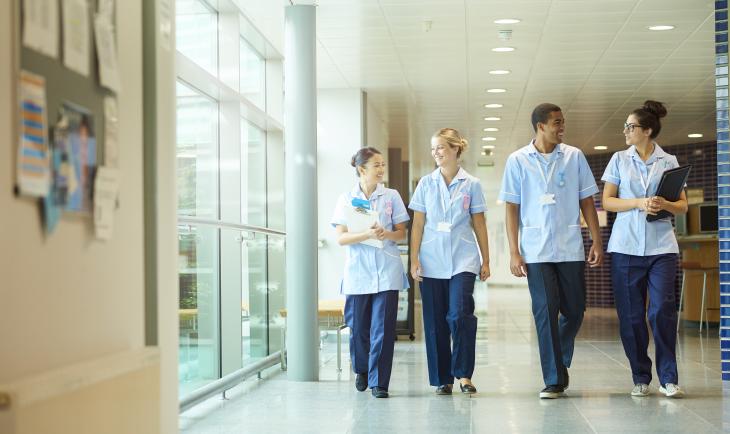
(640,389)
(671,390)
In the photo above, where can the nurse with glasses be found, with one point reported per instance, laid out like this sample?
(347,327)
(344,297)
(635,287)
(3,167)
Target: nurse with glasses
(644,254)
(373,275)
(446,258)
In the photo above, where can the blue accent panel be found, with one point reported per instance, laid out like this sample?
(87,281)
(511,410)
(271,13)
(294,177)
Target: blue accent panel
(721,27)
(724,299)
(726,376)
(724,245)
(722,114)
(720,93)
(723,201)
(723,179)
(725,288)
(724,224)
(720,4)
(723,158)
(723,147)
(720,80)
(720,15)
(725,311)
(721,70)
(722,124)
(722,104)
(721,37)
(724,212)
(723,191)
(724,256)
(724,266)
(725,368)
(721,60)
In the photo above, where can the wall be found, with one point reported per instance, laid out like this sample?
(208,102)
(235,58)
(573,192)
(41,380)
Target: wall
(66,297)
(703,175)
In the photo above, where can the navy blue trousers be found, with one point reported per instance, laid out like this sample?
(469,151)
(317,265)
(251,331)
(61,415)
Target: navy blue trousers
(633,277)
(448,316)
(371,319)
(558,297)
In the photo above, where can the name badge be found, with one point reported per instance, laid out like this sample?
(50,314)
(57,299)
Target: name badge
(466,202)
(444,227)
(547,199)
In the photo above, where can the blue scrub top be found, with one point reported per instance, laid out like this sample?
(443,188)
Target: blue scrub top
(631,233)
(445,254)
(549,232)
(368,269)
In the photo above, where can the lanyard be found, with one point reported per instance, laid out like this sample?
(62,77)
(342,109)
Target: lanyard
(551,165)
(645,182)
(451,199)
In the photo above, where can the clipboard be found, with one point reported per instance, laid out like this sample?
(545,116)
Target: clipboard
(360,220)
(670,187)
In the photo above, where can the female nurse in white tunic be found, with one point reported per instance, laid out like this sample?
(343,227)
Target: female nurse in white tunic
(373,276)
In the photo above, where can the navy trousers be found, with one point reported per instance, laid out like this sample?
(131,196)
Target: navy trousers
(558,297)
(371,319)
(632,277)
(448,317)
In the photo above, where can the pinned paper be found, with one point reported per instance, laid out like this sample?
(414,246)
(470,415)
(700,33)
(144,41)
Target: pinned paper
(106,190)
(111,132)
(34,166)
(40,26)
(106,50)
(76,39)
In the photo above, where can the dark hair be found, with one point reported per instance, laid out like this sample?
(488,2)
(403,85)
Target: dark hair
(361,157)
(649,115)
(541,113)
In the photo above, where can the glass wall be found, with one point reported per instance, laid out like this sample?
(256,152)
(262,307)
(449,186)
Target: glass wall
(230,181)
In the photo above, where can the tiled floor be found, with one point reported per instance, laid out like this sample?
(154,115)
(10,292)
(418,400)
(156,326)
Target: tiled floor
(508,378)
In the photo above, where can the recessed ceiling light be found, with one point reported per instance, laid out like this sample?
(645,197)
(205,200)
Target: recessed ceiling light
(694,135)
(600,148)
(496,90)
(491,129)
(507,21)
(492,118)
(499,72)
(659,28)
(488,147)
(493,106)
(503,49)
(489,139)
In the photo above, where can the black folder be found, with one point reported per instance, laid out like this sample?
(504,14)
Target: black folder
(670,187)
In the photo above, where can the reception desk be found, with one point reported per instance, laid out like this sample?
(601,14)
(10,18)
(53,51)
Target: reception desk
(701,249)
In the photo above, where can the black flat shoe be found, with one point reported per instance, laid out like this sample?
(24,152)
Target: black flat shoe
(567,378)
(361,382)
(467,388)
(444,389)
(379,392)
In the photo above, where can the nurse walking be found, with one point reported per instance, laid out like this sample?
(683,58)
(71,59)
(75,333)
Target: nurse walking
(644,254)
(372,275)
(445,257)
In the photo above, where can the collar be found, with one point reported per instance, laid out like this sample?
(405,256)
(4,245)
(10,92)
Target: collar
(460,175)
(356,192)
(532,150)
(655,155)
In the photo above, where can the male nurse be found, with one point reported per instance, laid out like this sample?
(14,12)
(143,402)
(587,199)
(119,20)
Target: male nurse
(546,185)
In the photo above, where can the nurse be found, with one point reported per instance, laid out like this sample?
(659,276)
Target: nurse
(372,275)
(644,254)
(445,257)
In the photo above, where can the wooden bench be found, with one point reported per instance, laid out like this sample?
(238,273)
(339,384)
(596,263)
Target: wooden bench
(331,316)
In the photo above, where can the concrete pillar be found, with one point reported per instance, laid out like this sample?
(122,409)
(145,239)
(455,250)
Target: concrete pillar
(300,136)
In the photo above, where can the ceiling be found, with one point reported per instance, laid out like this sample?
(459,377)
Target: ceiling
(425,65)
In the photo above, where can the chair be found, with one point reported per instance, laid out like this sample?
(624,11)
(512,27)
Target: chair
(331,315)
(689,267)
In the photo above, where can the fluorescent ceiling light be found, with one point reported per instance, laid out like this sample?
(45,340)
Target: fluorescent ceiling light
(489,139)
(492,118)
(493,106)
(694,135)
(661,27)
(491,129)
(488,147)
(503,49)
(499,72)
(496,90)
(507,21)
(600,148)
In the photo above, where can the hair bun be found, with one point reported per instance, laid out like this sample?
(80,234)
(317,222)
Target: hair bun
(656,108)
(353,162)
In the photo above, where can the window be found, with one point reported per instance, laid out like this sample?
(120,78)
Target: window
(196,33)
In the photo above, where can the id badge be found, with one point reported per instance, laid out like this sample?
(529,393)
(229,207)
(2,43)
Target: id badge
(547,199)
(444,227)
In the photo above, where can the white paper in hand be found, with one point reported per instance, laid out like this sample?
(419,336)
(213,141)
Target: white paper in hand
(360,220)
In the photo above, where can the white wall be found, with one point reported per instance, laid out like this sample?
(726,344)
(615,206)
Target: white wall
(339,136)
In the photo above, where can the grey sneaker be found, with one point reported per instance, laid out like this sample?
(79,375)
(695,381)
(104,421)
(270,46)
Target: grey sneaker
(640,389)
(671,390)
(551,392)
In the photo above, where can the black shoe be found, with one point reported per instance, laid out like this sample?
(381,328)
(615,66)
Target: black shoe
(361,382)
(467,388)
(444,389)
(567,378)
(379,392)
(551,392)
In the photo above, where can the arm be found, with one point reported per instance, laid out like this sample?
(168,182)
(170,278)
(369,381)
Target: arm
(658,203)
(419,221)
(516,262)
(588,208)
(611,201)
(346,238)
(398,234)
(480,229)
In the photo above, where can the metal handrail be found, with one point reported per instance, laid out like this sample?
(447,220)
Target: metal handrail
(228,225)
(228,381)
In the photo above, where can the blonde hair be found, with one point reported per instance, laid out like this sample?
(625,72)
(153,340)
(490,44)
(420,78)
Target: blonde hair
(453,138)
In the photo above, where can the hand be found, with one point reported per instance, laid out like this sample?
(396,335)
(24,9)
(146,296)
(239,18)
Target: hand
(656,204)
(416,270)
(376,232)
(595,255)
(380,232)
(517,265)
(484,272)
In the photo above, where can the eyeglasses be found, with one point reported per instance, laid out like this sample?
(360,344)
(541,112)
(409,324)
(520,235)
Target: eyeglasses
(630,127)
